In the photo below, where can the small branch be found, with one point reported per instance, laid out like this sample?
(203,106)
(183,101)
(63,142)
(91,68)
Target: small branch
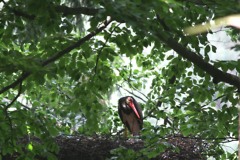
(14,84)
(225,139)
(131,93)
(24,106)
(214,100)
(19,93)
(128,81)
(104,45)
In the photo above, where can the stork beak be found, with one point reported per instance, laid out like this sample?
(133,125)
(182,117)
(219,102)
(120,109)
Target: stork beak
(131,104)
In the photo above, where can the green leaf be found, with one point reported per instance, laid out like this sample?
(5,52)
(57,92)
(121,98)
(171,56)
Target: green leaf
(30,147)
(170,57)
(207,49)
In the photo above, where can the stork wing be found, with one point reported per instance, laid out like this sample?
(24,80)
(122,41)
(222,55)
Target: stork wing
(120,102)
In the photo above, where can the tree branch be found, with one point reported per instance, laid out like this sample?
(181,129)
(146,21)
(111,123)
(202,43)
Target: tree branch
(224,139)
(75,45)
(216,73)
(58,55)
(197,60)
(5,110)
(15,83)
(78,10)
(18,12)
(15,98)
(119,86)
(60,9)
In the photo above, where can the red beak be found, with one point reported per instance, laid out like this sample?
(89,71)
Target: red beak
(134,109)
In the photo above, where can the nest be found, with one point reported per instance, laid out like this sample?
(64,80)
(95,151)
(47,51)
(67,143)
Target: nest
(99,147)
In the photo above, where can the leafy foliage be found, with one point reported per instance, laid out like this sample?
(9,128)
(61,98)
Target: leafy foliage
(58,78)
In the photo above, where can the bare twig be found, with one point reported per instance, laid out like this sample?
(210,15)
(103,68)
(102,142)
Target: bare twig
(131,93)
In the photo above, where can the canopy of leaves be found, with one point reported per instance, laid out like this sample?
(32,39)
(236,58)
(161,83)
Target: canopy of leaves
(60,61)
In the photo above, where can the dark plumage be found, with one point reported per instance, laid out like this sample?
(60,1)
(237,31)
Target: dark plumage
(130,114)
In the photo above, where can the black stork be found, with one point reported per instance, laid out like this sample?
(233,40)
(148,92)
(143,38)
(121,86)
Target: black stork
(130,114)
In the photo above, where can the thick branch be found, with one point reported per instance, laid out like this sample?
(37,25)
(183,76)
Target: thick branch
(216,73)
(78,10)
(60,9)
(18,12)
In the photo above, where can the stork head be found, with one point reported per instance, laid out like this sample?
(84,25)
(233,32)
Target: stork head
(130,103)
(129,100)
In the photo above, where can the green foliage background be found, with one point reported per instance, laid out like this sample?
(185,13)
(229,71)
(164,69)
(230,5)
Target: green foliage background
(66,58)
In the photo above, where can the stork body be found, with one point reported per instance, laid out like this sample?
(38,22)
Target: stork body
(130,114)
